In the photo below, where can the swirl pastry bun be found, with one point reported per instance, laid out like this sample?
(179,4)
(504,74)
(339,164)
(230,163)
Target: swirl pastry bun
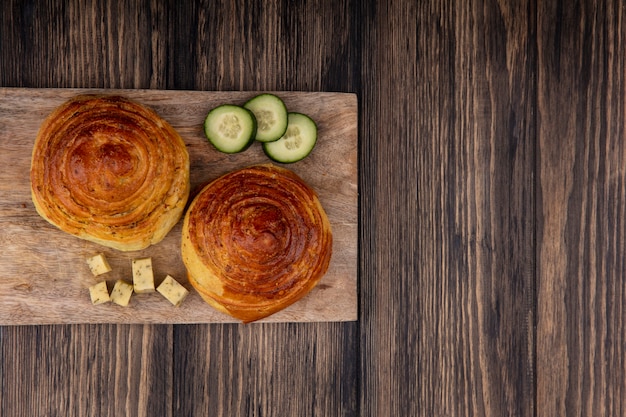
(111,171)
(255,241)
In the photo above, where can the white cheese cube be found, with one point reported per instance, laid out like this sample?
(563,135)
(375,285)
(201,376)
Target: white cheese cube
(143,277)
(99,293)
(121,293)
(98,264)
(172,291)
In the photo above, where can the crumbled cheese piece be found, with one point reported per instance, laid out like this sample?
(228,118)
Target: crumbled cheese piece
(143,277)
(99,293)
(121,293)
(98,264)
(172,291)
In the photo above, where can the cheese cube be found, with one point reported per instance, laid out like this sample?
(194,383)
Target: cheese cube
(143,277)
(98,264)
(172,291)
(121,293)
(99,293)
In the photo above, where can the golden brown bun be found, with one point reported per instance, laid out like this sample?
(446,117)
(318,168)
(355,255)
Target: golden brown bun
(255,241)
(111,171)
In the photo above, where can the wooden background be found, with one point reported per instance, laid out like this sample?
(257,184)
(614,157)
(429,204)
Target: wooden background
(492,205)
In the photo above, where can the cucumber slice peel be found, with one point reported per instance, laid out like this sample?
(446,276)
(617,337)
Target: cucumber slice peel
(271,115)
(297,142)
(230,128)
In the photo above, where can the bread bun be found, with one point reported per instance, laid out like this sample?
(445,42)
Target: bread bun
(111,171)
(255,241)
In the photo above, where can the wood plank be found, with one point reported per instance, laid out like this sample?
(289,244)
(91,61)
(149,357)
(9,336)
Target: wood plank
(276,369)
(581,211)
(273,369)
(104,370)
(447,300)
(46,278)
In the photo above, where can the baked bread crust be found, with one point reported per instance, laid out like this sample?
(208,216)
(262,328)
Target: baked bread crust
(255,241)
(111,171)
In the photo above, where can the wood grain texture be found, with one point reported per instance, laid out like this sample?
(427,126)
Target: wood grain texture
(276,371)
(46,276)
(491,155)
(448,299)
(104,370)
(581,327)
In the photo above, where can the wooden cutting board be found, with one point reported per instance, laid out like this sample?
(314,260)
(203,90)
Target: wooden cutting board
(44,277)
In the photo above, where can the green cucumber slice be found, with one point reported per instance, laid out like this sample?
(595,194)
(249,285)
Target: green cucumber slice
(271,116)
(297,142)
(230,128)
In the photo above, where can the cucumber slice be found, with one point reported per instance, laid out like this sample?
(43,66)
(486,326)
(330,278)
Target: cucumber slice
(230,128)
(271,116)
(297,142)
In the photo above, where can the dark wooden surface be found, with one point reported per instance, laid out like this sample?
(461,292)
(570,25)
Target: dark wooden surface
(492,203)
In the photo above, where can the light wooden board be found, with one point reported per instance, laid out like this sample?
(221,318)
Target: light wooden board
(43,275)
